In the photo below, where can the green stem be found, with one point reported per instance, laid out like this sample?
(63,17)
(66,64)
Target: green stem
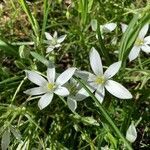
(106,116)
(103,49)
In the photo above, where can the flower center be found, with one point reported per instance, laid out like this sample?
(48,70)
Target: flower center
(54,41)
(50,86)
(139,42)
(72,89)
(100,80)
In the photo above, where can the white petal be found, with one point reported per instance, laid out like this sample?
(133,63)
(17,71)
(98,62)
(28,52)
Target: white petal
(62,91)
(45,100)
(147,40)
(36,91)
(57,45)
(112,69)
(108,27)
(65,76)
(72,104)
(82,74)
(94,24)
(146,48)
(49,49)
(48,36)
(55,34)
(51,75)
(61,38)
(100,93)
(36,78)
(134,53)
(81,94)
(123,27)
(143,31)
(131,133)
(95,62)
(117,90)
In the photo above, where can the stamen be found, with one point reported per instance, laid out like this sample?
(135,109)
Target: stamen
(100,80)
(50,86)
(139,42)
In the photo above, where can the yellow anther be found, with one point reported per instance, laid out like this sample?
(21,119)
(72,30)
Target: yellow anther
(100,80)
(139,42)
(50,86)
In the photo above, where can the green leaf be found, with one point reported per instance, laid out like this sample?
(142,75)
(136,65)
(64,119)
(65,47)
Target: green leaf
(8,48)
(42,59)
(5,139)
(15,132)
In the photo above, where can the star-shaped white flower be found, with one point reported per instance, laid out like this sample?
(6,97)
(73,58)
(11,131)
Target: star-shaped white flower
(54,41)
(77,93)
(49,86)
(99,80)
(141,43)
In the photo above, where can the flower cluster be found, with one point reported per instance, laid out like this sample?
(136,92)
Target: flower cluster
(66,85)
(96,82)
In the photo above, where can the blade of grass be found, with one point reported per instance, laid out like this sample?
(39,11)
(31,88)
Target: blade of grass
(32,20)
(45,16)
(103,49)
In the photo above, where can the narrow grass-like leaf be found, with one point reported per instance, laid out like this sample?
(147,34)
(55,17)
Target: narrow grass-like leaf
(5,141)
(9,49)
(103,49)
(31,18)
(42,59)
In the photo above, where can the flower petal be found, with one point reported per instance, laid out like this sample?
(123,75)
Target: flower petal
(94,24)
(143,31)
(134,53)
(45,100)
(131,133)
(81,94)
(123,27)
(36,91)
(95,62)
(146,48)
(100,93)
(57,45)
(61,38)
(117,89)
(51,75)
(109,27)
(55,34)
(49,49)
(112,69)
(61,91)
(36,78)
(48,36)
(72,104)
(65,76)
(147,40)
(83,74)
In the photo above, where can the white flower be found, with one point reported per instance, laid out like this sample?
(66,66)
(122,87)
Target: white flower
(141,43)
(131,133)
(99,81)
(77,93)
(49,86)
(54,41)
